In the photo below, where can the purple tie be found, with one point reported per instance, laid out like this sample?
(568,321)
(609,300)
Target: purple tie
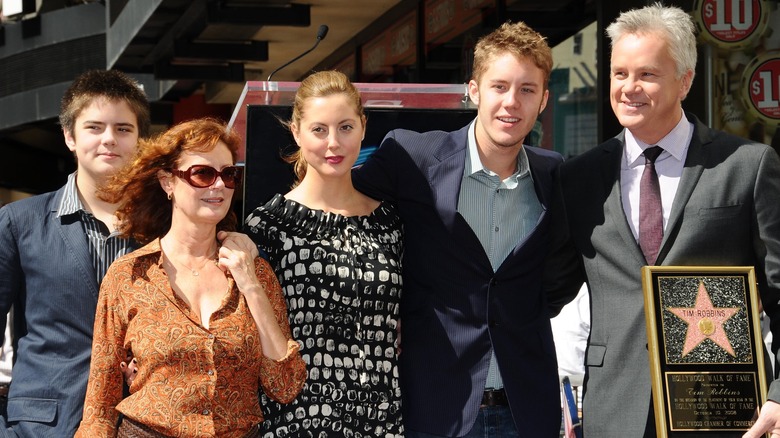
(651,219)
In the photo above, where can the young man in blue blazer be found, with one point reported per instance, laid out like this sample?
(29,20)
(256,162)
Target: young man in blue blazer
(55,249)
(476,343)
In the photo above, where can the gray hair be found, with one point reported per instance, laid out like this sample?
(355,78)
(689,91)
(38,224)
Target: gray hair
(672,23)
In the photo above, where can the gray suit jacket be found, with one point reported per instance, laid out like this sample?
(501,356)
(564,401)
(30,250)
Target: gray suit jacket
(46,270)
(726,212)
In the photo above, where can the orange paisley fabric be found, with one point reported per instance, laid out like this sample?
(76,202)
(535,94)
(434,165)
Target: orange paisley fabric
(192,381)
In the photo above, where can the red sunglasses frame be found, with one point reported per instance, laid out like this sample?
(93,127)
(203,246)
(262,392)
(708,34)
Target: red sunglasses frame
(230,182)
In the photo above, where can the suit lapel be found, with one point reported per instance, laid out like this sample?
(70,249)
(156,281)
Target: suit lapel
(541,175)
(445,176)
(692,170)
(72,232)
(610,174)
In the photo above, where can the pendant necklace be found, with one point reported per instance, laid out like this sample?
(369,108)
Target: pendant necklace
(196,272)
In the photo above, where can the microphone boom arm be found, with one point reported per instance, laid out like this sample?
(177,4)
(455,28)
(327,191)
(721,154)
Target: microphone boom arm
(323,30)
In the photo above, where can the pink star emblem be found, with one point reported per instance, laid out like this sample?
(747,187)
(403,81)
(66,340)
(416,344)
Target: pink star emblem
(705,322)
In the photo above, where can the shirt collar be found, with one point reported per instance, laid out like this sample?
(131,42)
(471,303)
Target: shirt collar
(154,248)
(70,202)
(675,143)
(474,164)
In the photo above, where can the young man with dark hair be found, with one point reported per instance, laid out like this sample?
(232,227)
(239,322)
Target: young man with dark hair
(55,249)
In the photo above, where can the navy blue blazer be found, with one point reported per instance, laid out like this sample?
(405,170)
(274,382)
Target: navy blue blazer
(46,271)
(454,307)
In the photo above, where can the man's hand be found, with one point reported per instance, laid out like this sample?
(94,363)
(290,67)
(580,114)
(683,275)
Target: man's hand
(129,368)
(768,422)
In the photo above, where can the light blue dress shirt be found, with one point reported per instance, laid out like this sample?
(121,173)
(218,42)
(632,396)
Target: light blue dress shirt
(501,213)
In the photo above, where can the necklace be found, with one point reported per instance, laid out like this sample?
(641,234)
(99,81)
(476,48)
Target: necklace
(195,271)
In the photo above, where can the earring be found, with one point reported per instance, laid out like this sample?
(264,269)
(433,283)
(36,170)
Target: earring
(169,196)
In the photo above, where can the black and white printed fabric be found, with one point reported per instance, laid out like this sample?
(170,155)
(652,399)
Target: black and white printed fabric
(341,277)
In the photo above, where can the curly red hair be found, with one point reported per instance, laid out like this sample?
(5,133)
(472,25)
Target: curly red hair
(145,211)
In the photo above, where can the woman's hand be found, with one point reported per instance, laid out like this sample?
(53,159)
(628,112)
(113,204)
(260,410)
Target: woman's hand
(237,256)
(240,240)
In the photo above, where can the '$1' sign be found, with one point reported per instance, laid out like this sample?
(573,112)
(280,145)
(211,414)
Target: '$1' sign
(765,85)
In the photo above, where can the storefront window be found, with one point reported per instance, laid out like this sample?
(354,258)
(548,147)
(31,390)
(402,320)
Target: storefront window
(742,48)
(570,122)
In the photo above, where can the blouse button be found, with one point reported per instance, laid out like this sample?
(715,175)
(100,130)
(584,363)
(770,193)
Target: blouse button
(211,336)
(211,372)
(206,412)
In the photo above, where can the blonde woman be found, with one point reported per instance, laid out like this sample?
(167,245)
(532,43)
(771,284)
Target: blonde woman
(337,254)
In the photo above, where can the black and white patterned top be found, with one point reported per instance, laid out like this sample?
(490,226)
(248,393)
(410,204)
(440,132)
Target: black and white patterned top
(341,277)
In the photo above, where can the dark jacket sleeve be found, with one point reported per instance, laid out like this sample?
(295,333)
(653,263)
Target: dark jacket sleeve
(377,177)
(563,269)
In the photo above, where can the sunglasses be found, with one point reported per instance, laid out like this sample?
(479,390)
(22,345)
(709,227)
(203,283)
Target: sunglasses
(202,176)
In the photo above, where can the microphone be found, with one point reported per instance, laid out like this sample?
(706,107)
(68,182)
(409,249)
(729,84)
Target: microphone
(323,30)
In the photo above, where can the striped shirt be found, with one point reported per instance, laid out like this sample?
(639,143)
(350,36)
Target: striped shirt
(105,247)
(501,213)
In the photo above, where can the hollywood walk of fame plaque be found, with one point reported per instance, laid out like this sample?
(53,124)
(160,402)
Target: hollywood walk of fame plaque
(705,347)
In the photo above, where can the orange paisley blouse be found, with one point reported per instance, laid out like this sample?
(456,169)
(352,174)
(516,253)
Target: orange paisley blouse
(192,381)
